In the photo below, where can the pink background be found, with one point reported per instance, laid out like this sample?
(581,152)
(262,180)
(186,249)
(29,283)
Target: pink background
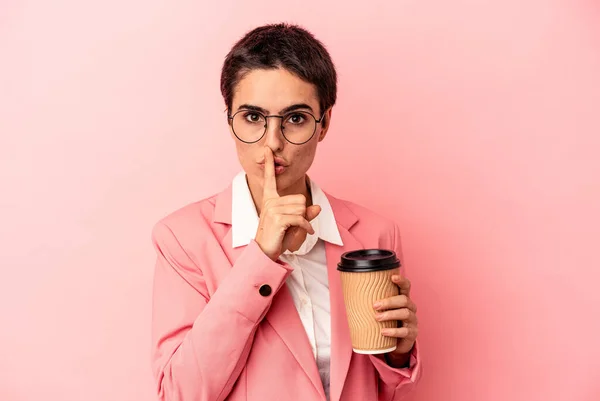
(474,124)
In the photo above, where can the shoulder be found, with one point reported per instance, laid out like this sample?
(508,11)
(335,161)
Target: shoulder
(368,221)
(189,222)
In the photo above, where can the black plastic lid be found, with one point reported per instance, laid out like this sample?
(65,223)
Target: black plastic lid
(368,260)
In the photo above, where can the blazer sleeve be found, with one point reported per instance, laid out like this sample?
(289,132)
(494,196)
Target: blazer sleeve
(395,384)
(200,344)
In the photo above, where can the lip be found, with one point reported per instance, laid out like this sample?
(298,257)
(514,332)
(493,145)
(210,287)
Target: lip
(279,169)
(277,160)
(280,161)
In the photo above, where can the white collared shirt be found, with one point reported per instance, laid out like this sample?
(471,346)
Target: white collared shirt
(308,283)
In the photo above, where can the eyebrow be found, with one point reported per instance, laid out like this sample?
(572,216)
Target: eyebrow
(286,110)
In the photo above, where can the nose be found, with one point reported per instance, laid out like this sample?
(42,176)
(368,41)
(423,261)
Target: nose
(274,137)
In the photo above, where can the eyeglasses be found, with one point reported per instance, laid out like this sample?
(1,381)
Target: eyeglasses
(298,127)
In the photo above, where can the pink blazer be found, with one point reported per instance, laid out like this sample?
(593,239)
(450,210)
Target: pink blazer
(215,337)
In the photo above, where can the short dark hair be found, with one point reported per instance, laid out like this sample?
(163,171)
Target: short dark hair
(281,46)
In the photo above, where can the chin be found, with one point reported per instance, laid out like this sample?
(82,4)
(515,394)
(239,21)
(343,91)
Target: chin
(284,181)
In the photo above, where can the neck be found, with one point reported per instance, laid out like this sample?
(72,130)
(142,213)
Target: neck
(301,186)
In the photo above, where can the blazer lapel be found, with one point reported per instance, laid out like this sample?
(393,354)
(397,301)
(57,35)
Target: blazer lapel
(284,319)
(341,344)
(282,314)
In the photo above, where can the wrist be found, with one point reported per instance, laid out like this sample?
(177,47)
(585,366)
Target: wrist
(270,255)
(398,361)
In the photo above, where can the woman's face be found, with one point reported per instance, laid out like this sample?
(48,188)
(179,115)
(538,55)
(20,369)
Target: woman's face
(273,91)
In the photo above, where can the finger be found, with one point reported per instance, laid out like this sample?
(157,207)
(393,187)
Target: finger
(403,283)
(312,212)
(270,184)
(404,314)
(297,235)
(289,220)
(395,302)
(295,239)
(409,333)
(297,199)
(293,209)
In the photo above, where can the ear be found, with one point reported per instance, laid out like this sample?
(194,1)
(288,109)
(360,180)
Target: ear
(325,124)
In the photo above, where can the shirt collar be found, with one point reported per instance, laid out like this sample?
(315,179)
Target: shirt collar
(244,218)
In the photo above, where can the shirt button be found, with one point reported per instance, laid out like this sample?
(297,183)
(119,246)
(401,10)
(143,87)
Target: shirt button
(265,290)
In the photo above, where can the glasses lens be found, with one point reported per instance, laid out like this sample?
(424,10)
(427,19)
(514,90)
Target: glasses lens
(249,126)
(298,126)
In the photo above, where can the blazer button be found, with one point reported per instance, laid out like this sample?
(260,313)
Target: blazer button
(265,290)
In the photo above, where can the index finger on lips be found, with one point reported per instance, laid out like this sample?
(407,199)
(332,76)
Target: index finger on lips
(270,184)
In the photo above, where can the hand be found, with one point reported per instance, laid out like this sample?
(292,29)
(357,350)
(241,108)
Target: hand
(284,220)
(403,309)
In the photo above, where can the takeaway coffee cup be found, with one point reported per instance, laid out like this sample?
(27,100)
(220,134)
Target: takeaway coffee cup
(366,278)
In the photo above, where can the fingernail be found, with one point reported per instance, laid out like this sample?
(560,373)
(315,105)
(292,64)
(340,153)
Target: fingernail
(385,332)
(378,316)
(395,278)
(377,305)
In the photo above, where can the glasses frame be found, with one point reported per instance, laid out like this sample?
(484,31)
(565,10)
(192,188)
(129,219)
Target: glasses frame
(230,118)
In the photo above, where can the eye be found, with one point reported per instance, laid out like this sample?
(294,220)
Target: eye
(296,118)
(253,117)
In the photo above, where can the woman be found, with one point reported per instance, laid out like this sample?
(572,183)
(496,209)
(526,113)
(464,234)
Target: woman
(247,302)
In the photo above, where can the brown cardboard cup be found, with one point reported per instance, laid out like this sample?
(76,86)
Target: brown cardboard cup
(366,278)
